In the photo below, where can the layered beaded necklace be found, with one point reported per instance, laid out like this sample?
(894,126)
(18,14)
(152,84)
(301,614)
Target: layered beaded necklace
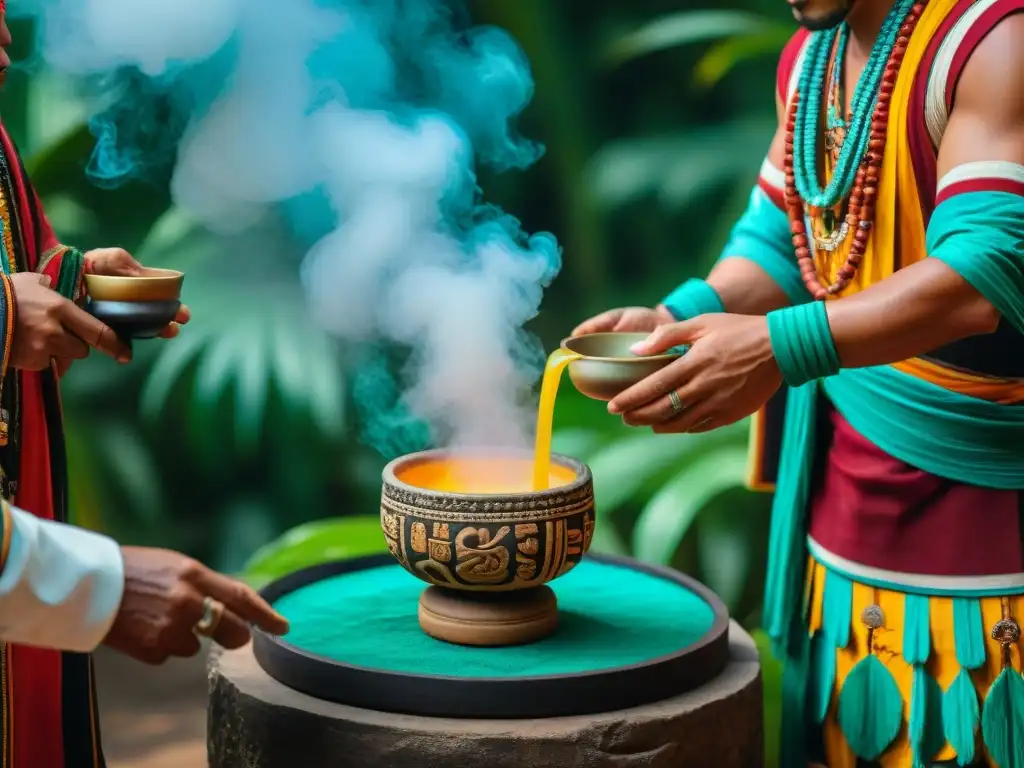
(858,160)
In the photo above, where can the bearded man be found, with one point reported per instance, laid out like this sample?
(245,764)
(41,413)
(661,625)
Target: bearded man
(879,272)
(65,590)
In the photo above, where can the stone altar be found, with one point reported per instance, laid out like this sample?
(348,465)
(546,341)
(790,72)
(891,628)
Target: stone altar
(256,722)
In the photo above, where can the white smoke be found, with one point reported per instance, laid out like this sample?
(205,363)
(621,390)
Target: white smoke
(394,267)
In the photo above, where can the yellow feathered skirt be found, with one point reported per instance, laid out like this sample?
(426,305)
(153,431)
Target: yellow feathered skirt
(942,658)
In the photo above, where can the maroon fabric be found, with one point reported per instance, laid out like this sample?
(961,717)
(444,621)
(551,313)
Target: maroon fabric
(924,156)
(875,510)
(988,21)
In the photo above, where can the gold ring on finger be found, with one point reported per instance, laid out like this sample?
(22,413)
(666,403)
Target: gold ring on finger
(677,403)
(213,612)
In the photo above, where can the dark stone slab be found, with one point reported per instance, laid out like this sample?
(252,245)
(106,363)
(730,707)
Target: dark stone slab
(255,722)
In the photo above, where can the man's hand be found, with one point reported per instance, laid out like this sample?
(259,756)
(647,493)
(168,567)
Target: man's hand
(111,261)
(47,326)
(625,320)
(727,374)
(163,602)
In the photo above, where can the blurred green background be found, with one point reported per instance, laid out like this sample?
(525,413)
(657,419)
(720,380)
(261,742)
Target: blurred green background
(656,115)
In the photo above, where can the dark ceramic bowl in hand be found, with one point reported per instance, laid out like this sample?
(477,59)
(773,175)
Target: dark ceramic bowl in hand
(607,367)
(135,319)
(136,307)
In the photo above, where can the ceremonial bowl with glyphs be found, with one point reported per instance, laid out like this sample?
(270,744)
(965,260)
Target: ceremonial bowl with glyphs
(607,367)
(137,306)
(471,528)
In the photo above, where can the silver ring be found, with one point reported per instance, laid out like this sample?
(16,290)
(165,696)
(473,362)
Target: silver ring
(677,404)
(213,611)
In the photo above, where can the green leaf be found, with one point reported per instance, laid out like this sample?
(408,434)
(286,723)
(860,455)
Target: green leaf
(685,28)
(167,371)
(131,467)
(731,532)
(578,443)
(725,56)
(626,465)
(606,539)
(244,525)
(668,516)
(315,543)
(678,169)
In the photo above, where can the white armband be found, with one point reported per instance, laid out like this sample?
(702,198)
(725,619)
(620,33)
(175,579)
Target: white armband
(60,586)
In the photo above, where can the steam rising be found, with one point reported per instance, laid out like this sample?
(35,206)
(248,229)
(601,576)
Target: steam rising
(362,121)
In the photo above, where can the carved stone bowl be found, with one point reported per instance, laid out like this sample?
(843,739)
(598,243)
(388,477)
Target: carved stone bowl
(486,553)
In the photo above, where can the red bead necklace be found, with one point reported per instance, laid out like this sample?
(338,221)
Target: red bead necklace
(860,213)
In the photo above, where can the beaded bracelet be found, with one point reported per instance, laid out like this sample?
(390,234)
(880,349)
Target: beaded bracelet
(692,299)
(802,342)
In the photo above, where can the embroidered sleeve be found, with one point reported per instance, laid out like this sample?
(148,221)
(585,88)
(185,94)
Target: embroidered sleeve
(65,266)
(6,531)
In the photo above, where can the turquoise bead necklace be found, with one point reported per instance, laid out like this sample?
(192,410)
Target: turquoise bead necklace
(858,162)
(835,117)
(811,87)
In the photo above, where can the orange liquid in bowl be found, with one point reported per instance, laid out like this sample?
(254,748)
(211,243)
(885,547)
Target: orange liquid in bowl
(503,474)
(480,475)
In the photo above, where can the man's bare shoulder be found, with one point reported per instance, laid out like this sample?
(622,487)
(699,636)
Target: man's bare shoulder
(992,83)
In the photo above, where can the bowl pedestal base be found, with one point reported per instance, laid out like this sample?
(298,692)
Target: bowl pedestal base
(488,618)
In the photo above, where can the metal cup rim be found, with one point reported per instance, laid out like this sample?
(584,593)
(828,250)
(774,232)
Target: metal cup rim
(566,345)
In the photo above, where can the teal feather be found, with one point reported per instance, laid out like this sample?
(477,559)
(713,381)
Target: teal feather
(1002,720)
(870,708)
(968,632)
(837,608)
(927,735)
(823,677)
(916,625)
(960,714)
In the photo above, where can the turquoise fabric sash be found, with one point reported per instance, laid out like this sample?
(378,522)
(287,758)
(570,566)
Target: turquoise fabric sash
(981,236)
(947,434)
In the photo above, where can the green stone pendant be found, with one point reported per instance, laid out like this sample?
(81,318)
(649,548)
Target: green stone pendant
(828,219)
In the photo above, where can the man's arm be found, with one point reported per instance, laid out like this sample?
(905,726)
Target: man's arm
(930,304)
(60,586)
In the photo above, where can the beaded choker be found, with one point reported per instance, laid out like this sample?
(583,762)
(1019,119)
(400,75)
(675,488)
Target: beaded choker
(857,167)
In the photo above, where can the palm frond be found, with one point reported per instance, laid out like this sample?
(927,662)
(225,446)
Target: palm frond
(678,169)
(686,28)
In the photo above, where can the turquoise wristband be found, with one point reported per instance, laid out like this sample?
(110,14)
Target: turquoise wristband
(692,299)
(802,342)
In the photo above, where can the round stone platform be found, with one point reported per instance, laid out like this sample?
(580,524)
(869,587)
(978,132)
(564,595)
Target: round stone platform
(255,722)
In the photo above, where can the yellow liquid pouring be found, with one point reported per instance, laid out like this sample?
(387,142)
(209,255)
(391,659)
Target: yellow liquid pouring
(558,361)
(497,475)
